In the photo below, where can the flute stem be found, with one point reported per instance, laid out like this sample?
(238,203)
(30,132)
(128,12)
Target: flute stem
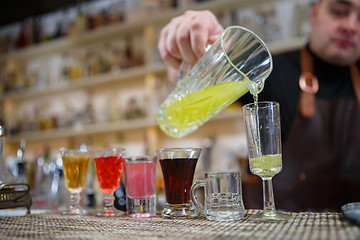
(268,196)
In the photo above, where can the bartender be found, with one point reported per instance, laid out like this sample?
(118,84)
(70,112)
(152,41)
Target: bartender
(318,88)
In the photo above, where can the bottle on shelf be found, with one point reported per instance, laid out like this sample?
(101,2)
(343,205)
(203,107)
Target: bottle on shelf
(21,40)
(80,21)
(37,32)
(5,175)
(90,199)
(134,110)
(48,177)
(21,164)
(58,188)
(113,110)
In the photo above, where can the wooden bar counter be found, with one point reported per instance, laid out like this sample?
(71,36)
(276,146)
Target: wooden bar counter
(306,225)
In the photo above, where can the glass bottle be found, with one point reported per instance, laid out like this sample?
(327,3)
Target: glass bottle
(5,176)
(21,165)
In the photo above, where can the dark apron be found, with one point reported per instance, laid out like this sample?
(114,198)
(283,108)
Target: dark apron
(320,172)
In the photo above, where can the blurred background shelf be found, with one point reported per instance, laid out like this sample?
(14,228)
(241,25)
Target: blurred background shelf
(132,74)
(139,24)
(104,127)
(83,130)
(116,67)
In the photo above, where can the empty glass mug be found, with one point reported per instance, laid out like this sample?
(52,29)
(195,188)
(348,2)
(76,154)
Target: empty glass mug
(223,196)
(238,61)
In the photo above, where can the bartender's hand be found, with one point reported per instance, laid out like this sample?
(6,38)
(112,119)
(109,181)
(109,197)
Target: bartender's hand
(186,36)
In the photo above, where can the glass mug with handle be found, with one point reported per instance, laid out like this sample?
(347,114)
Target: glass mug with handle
(238,61)
(223,196)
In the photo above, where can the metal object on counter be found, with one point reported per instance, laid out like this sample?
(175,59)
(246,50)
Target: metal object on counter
(12,194)
(15,195)
(352,212)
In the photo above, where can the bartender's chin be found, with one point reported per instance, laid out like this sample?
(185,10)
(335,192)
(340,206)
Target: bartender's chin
(344,57)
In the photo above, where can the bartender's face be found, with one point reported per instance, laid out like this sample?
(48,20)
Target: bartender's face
(335,33)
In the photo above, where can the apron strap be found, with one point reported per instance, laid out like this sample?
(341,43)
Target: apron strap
(355,76)
(309,84)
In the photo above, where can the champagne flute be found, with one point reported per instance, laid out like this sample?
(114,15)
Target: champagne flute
(109,167)
(76,165)
(262,121)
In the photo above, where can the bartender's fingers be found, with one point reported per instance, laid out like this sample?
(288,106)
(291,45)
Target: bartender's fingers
(184,44)
(198,28)
(168,48)
(185,37)
(189,23)
(203,34)
(172,36)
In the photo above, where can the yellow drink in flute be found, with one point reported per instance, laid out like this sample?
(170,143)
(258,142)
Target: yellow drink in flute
(75,170)
(181,115)
(266,166)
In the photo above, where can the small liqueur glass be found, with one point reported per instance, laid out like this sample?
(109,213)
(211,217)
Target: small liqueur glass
(76,165)
(109,167)
(140,181)
(178,167)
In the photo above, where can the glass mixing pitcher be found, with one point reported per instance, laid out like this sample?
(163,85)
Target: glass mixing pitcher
(237,62)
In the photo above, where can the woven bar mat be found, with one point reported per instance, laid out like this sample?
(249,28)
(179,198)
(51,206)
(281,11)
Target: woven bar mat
(57,226)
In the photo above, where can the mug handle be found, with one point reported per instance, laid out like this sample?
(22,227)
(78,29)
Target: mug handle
(197,184)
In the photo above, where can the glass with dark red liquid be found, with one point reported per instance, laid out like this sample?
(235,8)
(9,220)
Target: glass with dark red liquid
(109,167)
(178,167)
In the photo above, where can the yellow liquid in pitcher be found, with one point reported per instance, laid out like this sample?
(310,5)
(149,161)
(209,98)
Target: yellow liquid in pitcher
(182,115)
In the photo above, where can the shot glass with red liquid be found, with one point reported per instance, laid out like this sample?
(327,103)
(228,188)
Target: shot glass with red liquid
(109,167)
(178,167)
